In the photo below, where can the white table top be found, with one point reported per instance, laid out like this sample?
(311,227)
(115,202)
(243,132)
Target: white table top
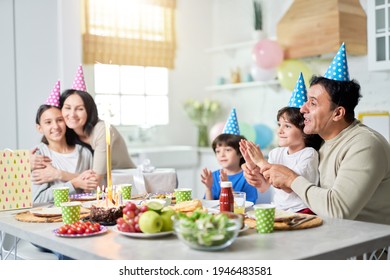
(335,239)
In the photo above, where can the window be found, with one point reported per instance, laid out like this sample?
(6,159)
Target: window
(129,32)
(132,95)
(131,44)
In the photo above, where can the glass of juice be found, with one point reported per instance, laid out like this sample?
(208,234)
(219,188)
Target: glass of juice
(239,202)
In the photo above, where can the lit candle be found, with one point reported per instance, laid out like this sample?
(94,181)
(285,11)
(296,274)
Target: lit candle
(103,195)
(108,149)
(97,193)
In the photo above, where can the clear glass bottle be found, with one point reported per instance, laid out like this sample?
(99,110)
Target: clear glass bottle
(226,199)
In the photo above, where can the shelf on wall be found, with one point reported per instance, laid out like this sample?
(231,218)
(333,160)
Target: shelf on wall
(242,85)
(231,47)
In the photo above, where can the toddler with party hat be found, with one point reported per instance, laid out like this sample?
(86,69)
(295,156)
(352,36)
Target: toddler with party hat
(228,155)
(296,150)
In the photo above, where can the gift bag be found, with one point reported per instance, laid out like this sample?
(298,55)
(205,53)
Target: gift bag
(15,180)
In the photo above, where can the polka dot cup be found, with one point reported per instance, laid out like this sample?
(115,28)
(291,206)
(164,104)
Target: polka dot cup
(126,191)
(61,194)
(183,195)
(70,212)
(265,216)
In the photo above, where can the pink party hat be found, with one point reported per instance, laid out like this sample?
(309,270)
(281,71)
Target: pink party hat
(231,126)
(78,82)
(54,97)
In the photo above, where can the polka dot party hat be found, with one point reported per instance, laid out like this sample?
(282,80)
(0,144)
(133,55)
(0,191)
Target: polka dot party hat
(338,69)
(231,126)
(299,94)
(78,82)
(54,97)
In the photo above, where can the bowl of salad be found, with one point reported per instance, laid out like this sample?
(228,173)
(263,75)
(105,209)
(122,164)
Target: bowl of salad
(207,231)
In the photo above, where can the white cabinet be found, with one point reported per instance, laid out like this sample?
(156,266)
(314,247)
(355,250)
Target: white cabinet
(378,31)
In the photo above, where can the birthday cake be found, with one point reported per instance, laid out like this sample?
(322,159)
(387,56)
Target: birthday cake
(106,215)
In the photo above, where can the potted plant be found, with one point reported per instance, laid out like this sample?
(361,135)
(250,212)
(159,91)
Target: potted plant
(257,20)
(202,113)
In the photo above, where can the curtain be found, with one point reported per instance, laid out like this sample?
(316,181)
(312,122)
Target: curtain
(129,32)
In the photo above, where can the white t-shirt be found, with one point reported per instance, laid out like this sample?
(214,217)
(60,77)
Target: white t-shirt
(65,162)
(305,163)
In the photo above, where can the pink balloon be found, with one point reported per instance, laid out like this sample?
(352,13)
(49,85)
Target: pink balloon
(260,74)
(216,130)
(267,54)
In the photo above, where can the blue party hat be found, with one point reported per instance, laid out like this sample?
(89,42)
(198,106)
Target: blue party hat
(299,94)
(338,69)
(231,126)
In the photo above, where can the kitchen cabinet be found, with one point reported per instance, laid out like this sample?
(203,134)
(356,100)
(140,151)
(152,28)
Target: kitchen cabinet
(378,27)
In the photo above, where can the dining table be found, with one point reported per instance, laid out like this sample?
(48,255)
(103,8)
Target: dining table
(334,239)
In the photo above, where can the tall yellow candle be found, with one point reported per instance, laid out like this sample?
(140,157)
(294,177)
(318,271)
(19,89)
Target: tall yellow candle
(108,149)
(98,193)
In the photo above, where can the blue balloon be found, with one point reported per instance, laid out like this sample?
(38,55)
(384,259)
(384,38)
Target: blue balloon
(264,135)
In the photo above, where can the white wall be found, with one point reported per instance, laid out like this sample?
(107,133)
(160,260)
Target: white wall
(37,50)
(8,120)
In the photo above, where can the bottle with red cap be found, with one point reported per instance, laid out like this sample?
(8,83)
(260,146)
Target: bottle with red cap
(226,199)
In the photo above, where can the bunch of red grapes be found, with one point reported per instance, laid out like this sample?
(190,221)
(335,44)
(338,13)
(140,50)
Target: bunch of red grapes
(131,215)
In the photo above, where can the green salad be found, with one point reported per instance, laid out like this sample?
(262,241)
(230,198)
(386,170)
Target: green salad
(205,229)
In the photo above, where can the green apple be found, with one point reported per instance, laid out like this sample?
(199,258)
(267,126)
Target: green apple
(166,216)
(150,222)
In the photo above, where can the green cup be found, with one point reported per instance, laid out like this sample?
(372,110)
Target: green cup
(61,194)
(265,216)
(183,195)
(126,190)
(70,212)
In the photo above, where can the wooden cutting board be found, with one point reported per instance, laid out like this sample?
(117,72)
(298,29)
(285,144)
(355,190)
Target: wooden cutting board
(317,221)
(28,217)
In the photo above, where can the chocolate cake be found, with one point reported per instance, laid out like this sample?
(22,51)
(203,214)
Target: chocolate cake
(106,215)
